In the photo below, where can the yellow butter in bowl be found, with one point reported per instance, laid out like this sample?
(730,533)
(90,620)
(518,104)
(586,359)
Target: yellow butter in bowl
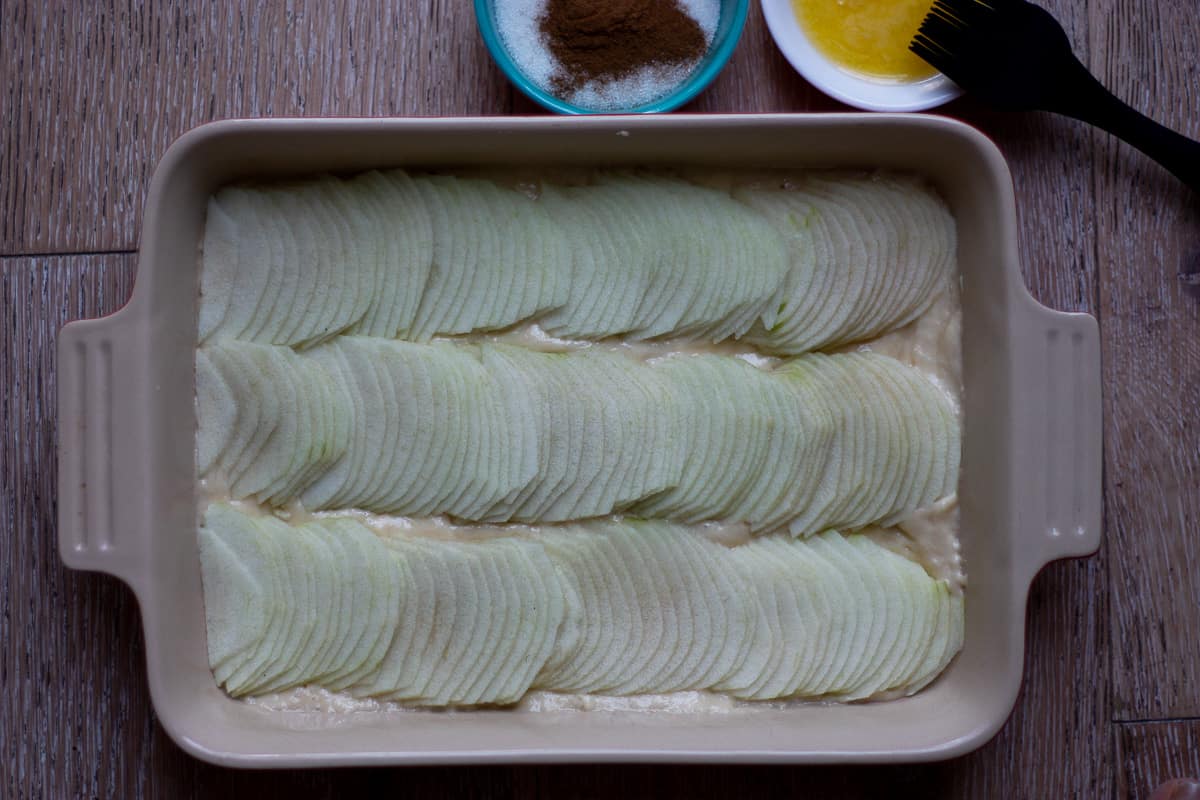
(869,37)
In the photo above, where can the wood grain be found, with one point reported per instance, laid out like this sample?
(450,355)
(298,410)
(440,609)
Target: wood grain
(1151,343)
(1151,753)
(92,97)
(71,641)
(104,88)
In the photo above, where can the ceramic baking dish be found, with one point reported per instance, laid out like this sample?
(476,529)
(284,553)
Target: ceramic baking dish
(1030,485)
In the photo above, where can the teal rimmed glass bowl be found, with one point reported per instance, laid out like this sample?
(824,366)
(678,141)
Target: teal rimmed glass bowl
(729,30)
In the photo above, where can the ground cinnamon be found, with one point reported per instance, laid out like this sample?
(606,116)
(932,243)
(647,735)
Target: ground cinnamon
(607,40)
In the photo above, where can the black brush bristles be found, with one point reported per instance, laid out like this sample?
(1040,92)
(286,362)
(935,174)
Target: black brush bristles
(1014,56)
(1001,50)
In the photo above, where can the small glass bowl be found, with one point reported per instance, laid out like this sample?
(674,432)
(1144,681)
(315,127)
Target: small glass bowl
(729,30)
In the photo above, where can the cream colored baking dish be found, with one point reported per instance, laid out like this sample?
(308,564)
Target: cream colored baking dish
(1030,486)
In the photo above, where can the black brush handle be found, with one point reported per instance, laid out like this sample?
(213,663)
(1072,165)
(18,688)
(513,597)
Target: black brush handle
(1081,96)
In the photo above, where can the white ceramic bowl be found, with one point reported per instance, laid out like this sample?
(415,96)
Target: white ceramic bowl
(842,85)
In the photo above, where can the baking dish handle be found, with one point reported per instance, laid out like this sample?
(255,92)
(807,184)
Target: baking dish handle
(98,517)
(1058,475)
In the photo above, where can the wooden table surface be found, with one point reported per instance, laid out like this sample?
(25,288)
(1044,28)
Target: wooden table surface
(92,93)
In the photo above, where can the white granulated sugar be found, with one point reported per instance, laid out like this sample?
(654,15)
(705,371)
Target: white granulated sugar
(707,14)
(517,24)
(642,87)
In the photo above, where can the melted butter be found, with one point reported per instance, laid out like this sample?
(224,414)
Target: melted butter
(934,533)
(928,536)
(868,37)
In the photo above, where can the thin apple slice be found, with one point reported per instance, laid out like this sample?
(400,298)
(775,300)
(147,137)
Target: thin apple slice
(353,272)
(408,400)
(860,442)
(358,598)
(871,606)
(803,455)
(384,586)
(405,616)
(400,667)
(706,442)
(947,638)
(240,534)
(372,425)
(348,426)
(236,610)
(594,272)
(588,380)
(280,672)
(592,621)
(762,676)
(757,407)
(257,408)
(410,218)
(808,290)
(897,462)
(520,406)
(733,609)
(219,266)
(571,632)
(311,293)
(354,599)
(325,576)
(669,290)
(250,280)
(687,613)
(542,621)
(331,409)
(216,413)
(464,655)
(809,621)
(523,384)
(287,445)
(880,248)
(653,638)
(386,232)
(425,660)
(321,239)
(482,476)
(375,249)
(560,434)
(470,609)
(900,616)
(245,539)
(502,643)
(835,610)
(456,426)
(612,620)
(810,281)
(848,203)
(264,324)
(398,398)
